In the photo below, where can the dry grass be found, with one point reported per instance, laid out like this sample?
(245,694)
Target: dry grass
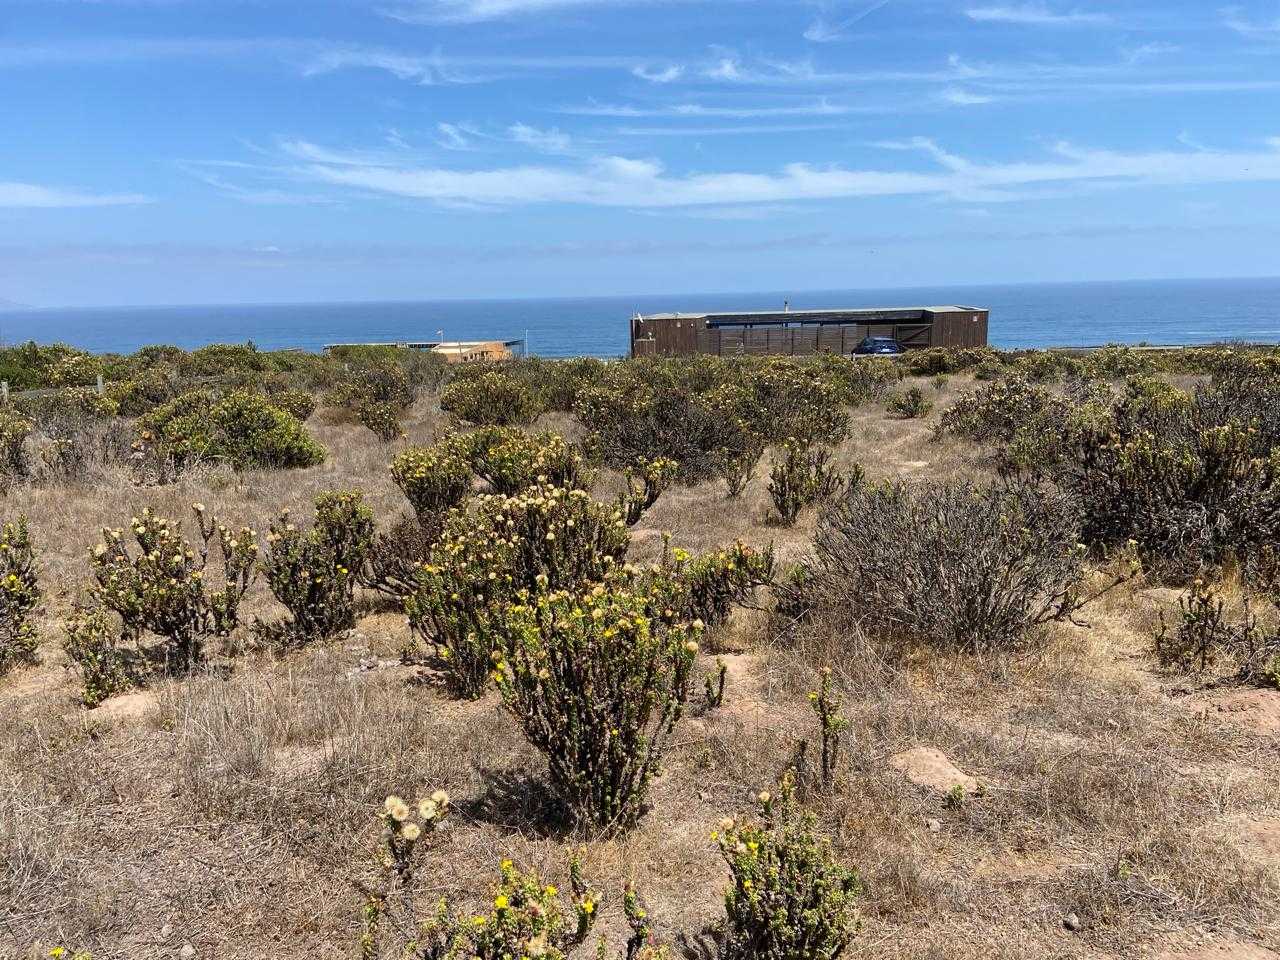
(232,810)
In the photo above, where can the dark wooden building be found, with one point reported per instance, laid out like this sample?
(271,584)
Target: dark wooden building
(803,332)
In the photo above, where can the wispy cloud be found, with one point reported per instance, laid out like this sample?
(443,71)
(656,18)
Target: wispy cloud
(475,11)
(1148,51)
(1034,15)
(547,141)
(662,75)
(646,184)
(1235,18)
(825,30)
(819,108)
(453,136)
(963,98)
(31,195)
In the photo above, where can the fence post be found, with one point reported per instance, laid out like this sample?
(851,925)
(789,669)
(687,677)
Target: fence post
(99,384)
(4,391)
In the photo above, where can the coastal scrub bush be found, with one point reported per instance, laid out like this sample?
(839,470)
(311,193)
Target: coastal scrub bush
(910,404)
(373,382)
(92,643)
(492,398)
(642,485)
(314,573)
(299,404)
(1193,478)
(1204,634)
(433,479)
(159,585)
(382,420)
(19,595)
(735,465)
(543,539)
(707,587)
(510,461)
(801,476)
(242,428)
(598,686)
(962,567)
(14,430)
(789,899)
(143,392)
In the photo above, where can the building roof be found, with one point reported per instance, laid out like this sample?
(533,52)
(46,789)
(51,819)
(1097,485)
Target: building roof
(801,314)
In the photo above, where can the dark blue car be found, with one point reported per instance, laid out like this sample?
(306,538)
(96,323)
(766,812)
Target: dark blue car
(879,345)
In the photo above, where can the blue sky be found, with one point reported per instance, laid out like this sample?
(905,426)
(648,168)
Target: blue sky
(179,151)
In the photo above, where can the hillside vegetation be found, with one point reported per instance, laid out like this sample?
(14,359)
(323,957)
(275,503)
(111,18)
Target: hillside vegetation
(964,654)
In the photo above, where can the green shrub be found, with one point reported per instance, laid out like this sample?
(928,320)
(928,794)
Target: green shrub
(545,538)
(736,465)
(510,461)
(910,404)
(299,404)
(598,686)
(643,485)
(707,587)
(242,428)
(382,419)
(789,900)
(800,477)
(160,586)
(92,643)
(491,399)
(433,479)
(1204,634)
(314,573)
(962,567)
(143,392)
(14,430)
(397,555)
(19,595)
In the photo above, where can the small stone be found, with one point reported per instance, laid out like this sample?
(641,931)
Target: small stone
(1071,921)
(166,931)
(935,825)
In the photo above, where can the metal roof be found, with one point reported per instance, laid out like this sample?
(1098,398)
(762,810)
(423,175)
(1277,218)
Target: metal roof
(844,311)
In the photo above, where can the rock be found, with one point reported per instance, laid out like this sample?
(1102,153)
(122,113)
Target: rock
(935,825)
(187,951)
(930,767)
(1071,921)
(166,931)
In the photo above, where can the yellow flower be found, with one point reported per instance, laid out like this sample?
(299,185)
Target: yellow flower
(500,901)
(411,831)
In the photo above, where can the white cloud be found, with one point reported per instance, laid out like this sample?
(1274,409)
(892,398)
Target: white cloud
(664,75)
(428,70)
(1148,51)
(453,136)
(1234,18)
(1033,14)
(14,194)
(726,68)
(820,108)
(963,98)
(474,11)
(822,30)
(627,182)
(548,141)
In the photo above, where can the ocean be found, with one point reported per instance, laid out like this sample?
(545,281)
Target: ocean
(1022,315)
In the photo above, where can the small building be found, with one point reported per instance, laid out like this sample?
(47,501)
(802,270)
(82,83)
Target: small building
(471,351)
(805,332)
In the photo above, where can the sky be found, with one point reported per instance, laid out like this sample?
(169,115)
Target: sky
(209,151)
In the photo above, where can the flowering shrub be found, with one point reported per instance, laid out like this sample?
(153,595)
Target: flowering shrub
(398,554)
(1203,634)
(800,477)
(434,479)
(598,686)
(92,643)
(706,588)
(299,404)
(964,567)
(546,538)
(373,380)
(382,419)
(526,919)
(509,461)
(314,574)
(643,485)
(910,404)
(14,430)
(404,827)
(19,594)
(789,899)
(490,399)
(159,585)
(243,428)
(832,724)
(735,465)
